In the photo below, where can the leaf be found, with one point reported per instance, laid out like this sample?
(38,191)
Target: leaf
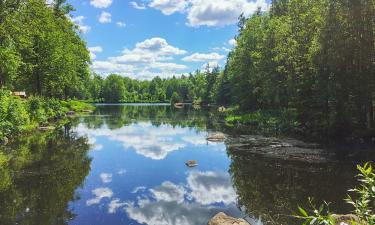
(302,211)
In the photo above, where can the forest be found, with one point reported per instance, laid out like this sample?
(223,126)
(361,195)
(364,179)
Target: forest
(312,59)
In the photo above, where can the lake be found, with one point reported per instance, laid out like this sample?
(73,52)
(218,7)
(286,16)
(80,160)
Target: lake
(125,164)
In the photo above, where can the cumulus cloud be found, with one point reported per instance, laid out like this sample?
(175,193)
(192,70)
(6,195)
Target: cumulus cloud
(105,17)
(99,193)
(169,192)
(148,58)
(139,189)
(199,57)
(232,42)
(167,204)
(121,24)
(168,7)
(143,138)
(94,50)
(221,12)
(106,177)
(101,3)
(139,6)
(211,187)
(80,24)
(114,205)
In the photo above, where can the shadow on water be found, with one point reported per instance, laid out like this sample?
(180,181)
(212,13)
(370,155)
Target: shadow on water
(39,175)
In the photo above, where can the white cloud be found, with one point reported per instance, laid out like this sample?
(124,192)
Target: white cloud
(139,189)
(121,24)
(143,138)
(210,65)
(106,177)
(99,193)
(169,192)
(232,42)
(147,59)
(199,57)
(221,12)
(94,50)
(114,205)
(168,7)
(191,204)
(121,172)
(81,25)
(139,6)
(101,3)
(105,17)
(211,187)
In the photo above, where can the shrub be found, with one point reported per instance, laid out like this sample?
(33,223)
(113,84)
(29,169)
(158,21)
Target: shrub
(363,202)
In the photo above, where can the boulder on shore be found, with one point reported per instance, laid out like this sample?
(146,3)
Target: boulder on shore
(4,141)
(218,137)
(222,219)
(348,219)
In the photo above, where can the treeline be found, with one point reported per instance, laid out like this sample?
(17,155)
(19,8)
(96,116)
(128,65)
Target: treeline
(41,51)
(316,58)
(198,87)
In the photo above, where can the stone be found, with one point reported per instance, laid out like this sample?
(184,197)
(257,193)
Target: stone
(347,219)
(218,137)
(192,163)
(5,141)
(222,219)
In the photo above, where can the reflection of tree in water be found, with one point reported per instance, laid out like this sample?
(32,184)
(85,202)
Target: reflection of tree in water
(45,171)
(121,115)
(272,188)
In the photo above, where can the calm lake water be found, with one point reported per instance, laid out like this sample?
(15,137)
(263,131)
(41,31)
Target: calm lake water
(125,164)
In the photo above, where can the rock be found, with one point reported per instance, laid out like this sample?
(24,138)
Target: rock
(179,105)
(222,219)
(192,163)
(218,137)
(347,219)
(5,141)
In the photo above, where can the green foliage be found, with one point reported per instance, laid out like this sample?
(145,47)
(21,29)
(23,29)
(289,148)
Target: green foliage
(314,56)
(175,98)
(363,202)
(267,122)
(76,106)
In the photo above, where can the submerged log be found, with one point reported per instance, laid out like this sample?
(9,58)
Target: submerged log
(222,219)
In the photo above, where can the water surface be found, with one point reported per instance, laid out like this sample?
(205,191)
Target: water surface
(125,164)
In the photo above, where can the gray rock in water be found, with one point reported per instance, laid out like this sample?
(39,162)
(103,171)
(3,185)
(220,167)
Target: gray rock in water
(222,219)
(192,163)
(218,137)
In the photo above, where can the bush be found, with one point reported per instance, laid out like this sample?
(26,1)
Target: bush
(363,202)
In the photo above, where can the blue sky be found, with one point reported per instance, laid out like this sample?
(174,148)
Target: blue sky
(147,38)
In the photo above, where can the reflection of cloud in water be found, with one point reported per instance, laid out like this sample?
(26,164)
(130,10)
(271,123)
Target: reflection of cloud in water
(152,142)
(167,203)
(174,213)
(169,192)
(106,177)
(211,187)
(99,193)
(139,189)
(121,172)
(115,204)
